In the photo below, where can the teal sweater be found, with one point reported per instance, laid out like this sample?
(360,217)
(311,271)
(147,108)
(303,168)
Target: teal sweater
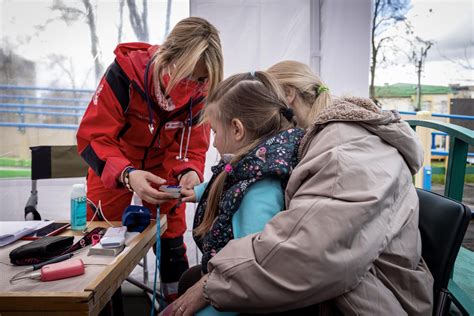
(263,200)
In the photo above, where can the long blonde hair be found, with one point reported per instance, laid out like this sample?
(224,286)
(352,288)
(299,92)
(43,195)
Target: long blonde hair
(308,85)
(259,103)
(190,40)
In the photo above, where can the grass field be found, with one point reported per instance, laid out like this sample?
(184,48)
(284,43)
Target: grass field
(14,162)
(439,178)
(21,168)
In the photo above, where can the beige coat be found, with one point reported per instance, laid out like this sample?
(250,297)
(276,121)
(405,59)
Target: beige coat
(350,233)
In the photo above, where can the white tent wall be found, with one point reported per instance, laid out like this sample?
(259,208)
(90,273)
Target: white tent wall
(345,45)
(332,36)
(257,34)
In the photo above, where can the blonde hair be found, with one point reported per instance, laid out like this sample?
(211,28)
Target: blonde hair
(190,40)
(259,103)
(308,85)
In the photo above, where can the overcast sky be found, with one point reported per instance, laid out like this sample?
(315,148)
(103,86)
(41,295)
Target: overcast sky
(450,24)
(18,19)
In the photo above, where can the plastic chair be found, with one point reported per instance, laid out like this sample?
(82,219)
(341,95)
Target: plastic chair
(443,223)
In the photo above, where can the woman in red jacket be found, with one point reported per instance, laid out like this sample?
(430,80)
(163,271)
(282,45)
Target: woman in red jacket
(140,130)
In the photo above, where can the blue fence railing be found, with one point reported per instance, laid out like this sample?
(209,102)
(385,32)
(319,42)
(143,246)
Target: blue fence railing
(42,113)
(35,106)
(75,106)
(454,116)
(27,97)
(43,106)
(33,88)
(39,125)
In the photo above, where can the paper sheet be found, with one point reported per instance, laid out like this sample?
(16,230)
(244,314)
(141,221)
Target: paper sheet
(11,231)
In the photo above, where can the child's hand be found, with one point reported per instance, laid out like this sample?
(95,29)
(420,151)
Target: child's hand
(188,195)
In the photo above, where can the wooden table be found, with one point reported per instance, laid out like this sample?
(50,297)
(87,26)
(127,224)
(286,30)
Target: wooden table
(91,299)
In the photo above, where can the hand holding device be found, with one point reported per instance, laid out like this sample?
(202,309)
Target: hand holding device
(173,190)
(141,182)
(189,179)
(188,196)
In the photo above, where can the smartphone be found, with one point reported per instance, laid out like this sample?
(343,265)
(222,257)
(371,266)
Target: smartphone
(49,230)
(174,190)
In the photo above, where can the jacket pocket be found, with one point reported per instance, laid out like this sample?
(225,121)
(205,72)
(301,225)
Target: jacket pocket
(171,132)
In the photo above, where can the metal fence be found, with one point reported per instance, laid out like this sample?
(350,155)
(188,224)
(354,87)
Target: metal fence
(42,107)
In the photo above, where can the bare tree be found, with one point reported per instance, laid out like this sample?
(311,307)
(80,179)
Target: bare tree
(387,14)
(65,73)
(465,61)
(65,65)
(138,21)
(418,56)
(168,15)
(70,14)
(14,68)
(120,26)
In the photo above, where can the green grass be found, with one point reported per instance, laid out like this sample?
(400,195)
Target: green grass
(26,163)
(11,173)
(440,178)
(14,162)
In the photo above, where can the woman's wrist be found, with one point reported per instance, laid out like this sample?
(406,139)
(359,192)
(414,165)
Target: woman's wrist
(125,177)
(183,173)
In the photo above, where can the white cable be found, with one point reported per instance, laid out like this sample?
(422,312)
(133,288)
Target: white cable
(102,214)
(187,143)
(98,209)
(181,143)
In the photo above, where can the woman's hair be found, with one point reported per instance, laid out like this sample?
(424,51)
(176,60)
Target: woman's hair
(190,40)
(308,85)
(259,103)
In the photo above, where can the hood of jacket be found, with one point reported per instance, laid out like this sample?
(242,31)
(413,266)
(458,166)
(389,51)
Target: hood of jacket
(385,124)
(133,58)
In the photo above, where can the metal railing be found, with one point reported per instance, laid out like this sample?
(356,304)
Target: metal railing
(460,139)
(42,106)
(454,116)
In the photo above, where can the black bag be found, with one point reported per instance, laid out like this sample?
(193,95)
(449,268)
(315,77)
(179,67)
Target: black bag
(41,250)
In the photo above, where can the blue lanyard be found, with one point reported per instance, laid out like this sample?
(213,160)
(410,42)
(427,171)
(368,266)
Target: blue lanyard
(157,262)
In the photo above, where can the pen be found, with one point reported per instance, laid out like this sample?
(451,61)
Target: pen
(54,260)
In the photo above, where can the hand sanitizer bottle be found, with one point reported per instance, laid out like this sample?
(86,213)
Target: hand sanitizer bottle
(78,207)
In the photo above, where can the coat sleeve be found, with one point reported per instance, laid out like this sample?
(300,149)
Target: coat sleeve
(97,134)
(263,200)
(323,244)
(199,190)
(196,151)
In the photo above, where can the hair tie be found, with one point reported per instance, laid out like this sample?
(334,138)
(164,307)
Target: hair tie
(228,168)
(321,89)
(287,113)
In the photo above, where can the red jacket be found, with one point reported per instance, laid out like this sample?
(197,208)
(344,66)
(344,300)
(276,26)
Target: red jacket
(115,131)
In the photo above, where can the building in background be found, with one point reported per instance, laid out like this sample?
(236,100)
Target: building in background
(402,97)
(462,92)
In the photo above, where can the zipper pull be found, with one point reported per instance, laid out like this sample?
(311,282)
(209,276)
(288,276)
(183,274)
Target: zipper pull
(151,128)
